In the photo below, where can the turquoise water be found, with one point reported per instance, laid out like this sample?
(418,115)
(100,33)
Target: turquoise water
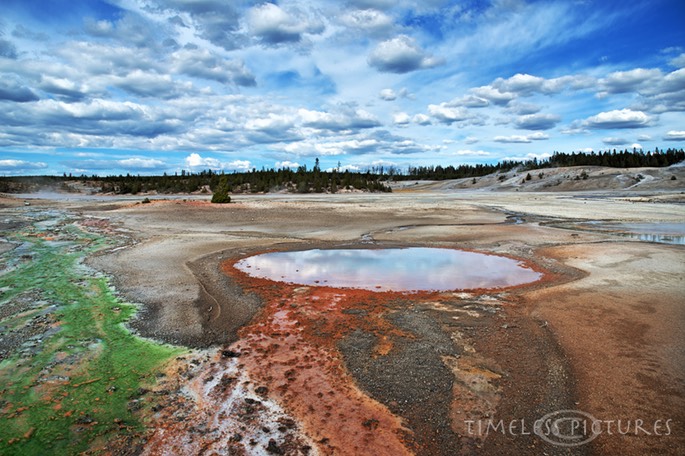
(408,269)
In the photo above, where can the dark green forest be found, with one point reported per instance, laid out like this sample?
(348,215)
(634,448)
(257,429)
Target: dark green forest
(612,159)
(315,180)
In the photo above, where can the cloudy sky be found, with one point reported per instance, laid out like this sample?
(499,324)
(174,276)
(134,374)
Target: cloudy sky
(152,86)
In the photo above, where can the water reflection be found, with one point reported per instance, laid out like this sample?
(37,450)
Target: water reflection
(665,233)
(410,269)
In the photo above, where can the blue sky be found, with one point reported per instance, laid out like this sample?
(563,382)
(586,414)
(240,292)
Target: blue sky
(152,86)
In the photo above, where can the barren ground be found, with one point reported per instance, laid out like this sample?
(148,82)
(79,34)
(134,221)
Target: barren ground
(296,370)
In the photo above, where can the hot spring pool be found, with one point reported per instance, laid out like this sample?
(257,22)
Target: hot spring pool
(406,269)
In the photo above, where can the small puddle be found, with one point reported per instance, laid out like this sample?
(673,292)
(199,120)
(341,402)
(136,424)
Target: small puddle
(406,269)
(660,232)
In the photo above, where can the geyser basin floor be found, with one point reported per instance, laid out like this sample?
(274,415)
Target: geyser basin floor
(407,269)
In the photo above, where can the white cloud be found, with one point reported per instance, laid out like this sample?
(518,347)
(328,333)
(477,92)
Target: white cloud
(493,95)
(421,119)
(678,62)
(614,141)
(520,138)
(445,114)
(273,25)
(387,95)
(343,120)
(237,165)
(205,64)
(141,163)
(195,161)
(332,148)
(20,165)
(287,164)
(538,136)
(401,118)
(537,121)
(469,153)
(512,139)
(675,135)
(629,81)
(623,118)
(369,20)
(400,55)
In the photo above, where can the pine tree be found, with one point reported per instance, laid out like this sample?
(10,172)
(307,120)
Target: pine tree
(221,193)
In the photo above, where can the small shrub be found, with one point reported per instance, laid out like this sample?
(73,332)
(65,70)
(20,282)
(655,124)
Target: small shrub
(146,201)
(221,198)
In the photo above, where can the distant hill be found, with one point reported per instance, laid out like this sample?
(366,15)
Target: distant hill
(562,179)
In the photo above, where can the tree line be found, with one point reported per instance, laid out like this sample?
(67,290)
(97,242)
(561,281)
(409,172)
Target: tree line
(611,159)
(315,180)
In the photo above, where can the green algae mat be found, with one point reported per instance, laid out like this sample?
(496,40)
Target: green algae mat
(72,376)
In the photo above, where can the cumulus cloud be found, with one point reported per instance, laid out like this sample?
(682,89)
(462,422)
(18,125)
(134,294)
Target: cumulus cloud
(537,121)
(18,166)
(523,108)
(272,128)
(521,138)
(623,118)
(144,84)
(95,117)
(675,135)
(401,118)
(332,148)
(538,136)
(368,20)
(132,164)
(238,165)
(494,95)
(614,141)
(400,55)
(344,120)
(214,20)
(273,25)
(470,101)
(446,114)
(421,119)
(469,153)
(387,95)
(131,29)
(678,62)
(64,88)
(14,92)
(202,63)
(286,164)
(629,81)
(142,163)
(196,162)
